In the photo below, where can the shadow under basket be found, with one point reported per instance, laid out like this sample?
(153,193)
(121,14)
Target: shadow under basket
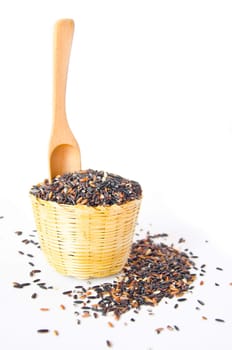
(84,241)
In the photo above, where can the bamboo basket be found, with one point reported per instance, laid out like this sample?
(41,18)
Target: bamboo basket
(84,241)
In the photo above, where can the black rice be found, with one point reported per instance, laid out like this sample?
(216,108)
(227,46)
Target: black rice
(89,187)
(153,272)
(33,272)
(43,330)
(20,285)
(18,233)
(67,292)
(109,343)
(159,330)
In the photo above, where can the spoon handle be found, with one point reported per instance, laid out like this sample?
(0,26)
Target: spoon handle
(63,35)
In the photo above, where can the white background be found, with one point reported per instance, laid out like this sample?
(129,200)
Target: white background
(149,97)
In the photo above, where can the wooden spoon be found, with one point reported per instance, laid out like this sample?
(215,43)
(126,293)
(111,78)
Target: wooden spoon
(64,151)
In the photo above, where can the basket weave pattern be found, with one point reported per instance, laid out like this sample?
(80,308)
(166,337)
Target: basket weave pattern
(84,241)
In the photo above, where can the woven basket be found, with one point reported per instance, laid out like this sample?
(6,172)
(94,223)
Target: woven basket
(84,241)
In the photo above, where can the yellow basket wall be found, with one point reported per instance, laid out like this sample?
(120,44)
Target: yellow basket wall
(84,241)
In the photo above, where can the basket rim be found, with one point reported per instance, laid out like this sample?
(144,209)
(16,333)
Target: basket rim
(79,205)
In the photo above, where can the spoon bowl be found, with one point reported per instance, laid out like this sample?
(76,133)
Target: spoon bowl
(64,159)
